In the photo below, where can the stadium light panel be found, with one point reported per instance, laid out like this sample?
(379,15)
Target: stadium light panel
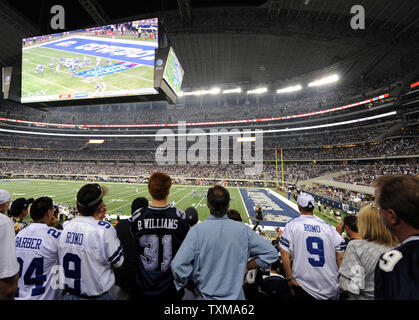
(289,89)
(96,141)
(193,93)
(211,91)
(236,90)
(257,91)
(326,80)
(246,139)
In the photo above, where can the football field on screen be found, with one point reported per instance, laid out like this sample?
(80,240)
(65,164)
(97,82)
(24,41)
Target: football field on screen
(120,195)
(131,75)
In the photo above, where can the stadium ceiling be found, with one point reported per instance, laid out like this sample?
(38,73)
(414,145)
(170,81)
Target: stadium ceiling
(253,42)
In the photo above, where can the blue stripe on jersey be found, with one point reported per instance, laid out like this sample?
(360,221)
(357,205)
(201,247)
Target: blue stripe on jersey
(285,242)
(343,245)
(115,261)
(116,253)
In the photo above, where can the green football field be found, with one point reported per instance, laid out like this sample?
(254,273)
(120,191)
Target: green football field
(172,74)
(120,195)
(51,82)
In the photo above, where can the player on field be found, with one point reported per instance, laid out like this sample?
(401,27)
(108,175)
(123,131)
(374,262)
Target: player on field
(89,248)
(39,68)
(397,271)
(37,254)
(316,250)
(159,231)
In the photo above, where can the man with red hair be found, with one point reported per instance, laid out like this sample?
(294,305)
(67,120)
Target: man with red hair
(159,231)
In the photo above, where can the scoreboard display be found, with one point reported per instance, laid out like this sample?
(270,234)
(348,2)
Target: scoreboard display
(173,72)
(101,62)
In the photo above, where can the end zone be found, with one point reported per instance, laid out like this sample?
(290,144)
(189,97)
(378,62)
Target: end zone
(276,209)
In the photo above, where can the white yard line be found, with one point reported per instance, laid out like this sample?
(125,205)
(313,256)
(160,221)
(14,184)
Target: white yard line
(244,205)
(53,83)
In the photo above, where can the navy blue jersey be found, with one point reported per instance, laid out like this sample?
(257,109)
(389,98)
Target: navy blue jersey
(261,285)
(397,272)
(159,232)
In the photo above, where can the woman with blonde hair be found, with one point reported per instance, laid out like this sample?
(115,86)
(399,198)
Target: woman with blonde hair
(356,273)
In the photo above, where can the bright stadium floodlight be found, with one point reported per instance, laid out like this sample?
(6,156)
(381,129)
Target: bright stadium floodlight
(289,89)
(211,91)
(327,80)
(236,90)
(257,91)
(193,93)
(246,139)
(96,141)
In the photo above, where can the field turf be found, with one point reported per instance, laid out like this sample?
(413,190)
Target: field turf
(120,195)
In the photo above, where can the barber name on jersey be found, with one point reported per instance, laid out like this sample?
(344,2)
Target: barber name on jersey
(157,223)
(28,243)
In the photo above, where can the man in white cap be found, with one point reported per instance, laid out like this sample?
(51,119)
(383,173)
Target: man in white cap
(9,266)
(314,246)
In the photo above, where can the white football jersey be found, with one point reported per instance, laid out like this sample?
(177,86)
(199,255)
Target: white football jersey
(314,243)
(8,263)
(88,248)
(37,254)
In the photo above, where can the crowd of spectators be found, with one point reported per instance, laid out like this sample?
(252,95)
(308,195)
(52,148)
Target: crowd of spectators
(187,110)
(145,152)
(355,268)
(367,174)
(349,197)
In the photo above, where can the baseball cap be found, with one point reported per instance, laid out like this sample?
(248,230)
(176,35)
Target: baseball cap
(191,216)
(4,196)
(18,205)
(305,200)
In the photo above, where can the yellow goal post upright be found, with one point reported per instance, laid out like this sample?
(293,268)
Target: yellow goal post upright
(276,168)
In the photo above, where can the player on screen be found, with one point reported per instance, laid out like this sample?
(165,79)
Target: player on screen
(89,248)
(37,254)
(98,62)
(39,68)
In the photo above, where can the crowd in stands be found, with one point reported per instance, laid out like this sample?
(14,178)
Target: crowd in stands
(142,152)
(366,174)
(364,258)
(187,111)
(349,197)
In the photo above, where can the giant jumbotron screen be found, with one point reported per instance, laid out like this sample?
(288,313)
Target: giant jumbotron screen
(109,61)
